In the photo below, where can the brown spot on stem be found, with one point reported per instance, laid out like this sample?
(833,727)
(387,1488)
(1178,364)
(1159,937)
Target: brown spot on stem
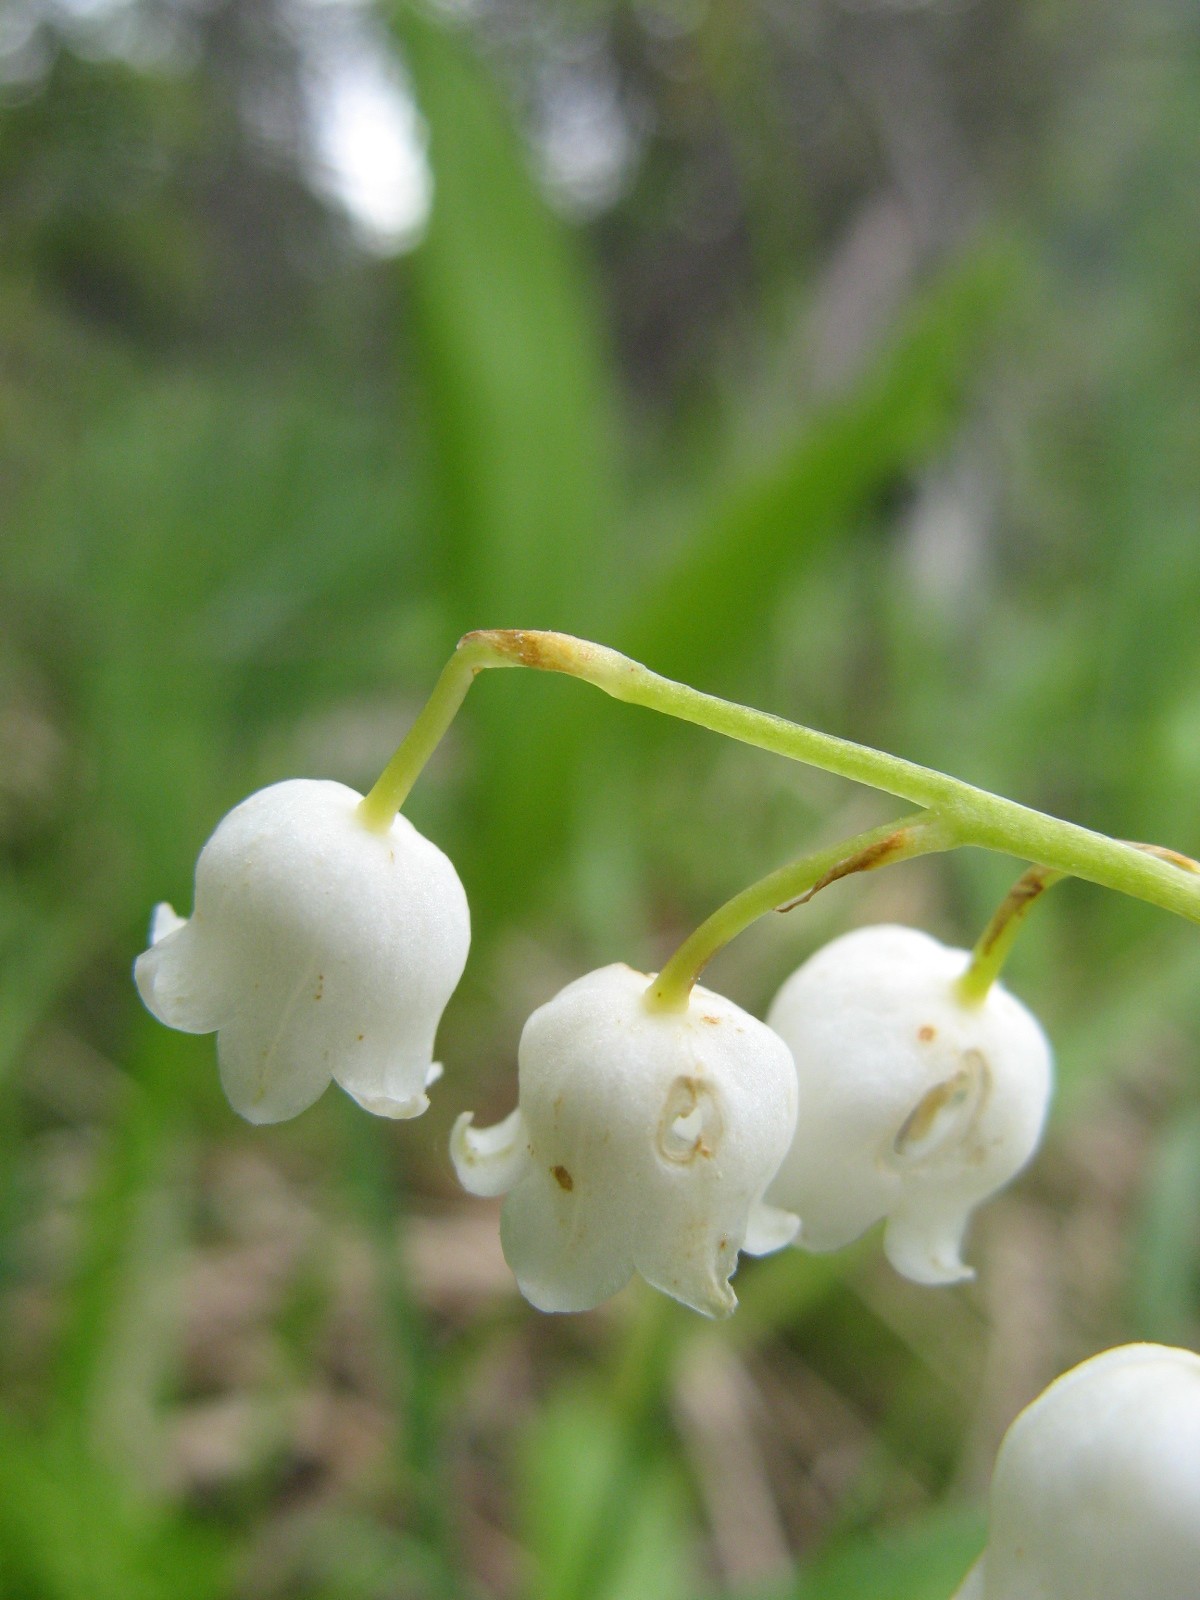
(563,1178)
(864,860)
(320,989)
(1015,904)
(533,647)
(1175,857)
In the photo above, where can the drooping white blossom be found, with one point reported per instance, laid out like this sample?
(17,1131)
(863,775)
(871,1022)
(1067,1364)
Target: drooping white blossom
(643,1141)
(317,949)
(917,1103)
(1096,1492)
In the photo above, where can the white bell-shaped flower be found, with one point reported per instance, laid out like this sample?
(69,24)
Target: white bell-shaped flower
(917,1103)
(318,949)
(643,1142)
(1096,1492)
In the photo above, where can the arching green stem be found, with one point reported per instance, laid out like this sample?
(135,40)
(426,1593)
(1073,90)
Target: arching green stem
(972,816)
(789,887)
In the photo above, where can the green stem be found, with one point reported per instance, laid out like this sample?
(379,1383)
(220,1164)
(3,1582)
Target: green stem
(379,807)
(972,816)
(789,886)
(997,939)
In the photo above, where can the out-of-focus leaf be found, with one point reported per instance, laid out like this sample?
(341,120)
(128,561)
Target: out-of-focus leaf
(511,360)
(1165,1286)
(38,959)
(70,1529)
(518,409)
(571,1457)
(125,1243)
(924,1561)
(779,1290)
(710,601)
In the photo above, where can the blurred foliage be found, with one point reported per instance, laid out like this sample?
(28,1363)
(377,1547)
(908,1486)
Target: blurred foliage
(844,362)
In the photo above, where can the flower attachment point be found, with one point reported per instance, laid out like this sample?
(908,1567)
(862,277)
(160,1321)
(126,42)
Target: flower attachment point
(643,1142)
(918,1104)
(1096,1492)
(318,949)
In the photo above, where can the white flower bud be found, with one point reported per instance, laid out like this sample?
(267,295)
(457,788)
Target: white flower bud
(643,1142)
(317,949)
(917,1104)
(1096,1492)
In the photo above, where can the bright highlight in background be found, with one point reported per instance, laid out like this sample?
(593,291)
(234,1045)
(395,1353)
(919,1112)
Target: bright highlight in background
(368,138)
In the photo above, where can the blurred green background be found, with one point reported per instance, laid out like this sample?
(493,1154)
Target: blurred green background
(842,356)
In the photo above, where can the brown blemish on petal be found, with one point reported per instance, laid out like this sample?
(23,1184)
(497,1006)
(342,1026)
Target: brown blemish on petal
(690,1124)
(563,1178)
(949,1111)
(712,1021)
(927,1033)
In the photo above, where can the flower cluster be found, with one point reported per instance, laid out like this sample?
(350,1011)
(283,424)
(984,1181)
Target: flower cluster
(646,1138)
(1096,1492)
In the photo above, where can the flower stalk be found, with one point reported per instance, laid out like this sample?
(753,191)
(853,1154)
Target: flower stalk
(997,939)
(790,886)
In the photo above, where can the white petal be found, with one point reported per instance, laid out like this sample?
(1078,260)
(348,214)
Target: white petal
(177,982)
(563,1251)
(925,1245)
(381,1082)
(164,919)
(769,1229)
(974,1586)
(489,1161)
(699,1279)
(272,1065)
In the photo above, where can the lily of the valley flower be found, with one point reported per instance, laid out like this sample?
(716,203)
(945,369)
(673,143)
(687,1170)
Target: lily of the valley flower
(1096,1492)
(318,949)
(643,1142)
(917,1103)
